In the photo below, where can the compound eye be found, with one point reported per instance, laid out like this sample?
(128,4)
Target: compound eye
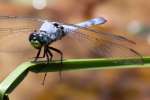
(36,44)
(32,35)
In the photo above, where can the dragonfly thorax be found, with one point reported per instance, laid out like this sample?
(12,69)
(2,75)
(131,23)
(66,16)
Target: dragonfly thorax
(53,29)
(48,33)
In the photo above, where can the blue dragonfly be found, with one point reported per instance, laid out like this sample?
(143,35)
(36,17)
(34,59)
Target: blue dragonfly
(42,33)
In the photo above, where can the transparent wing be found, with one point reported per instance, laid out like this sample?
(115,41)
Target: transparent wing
(14,32)
(103,34)
(102,44)
(13,24)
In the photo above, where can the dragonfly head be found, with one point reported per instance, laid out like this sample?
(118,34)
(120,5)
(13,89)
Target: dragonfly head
(34,39)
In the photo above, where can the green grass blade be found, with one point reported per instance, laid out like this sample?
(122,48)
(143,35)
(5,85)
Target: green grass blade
(14,78)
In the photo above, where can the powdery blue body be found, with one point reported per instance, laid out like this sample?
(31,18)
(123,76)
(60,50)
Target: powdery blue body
(49,32)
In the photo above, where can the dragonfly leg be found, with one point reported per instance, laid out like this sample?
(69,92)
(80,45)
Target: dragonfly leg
(37,55)
(58,51)
(50,53)
(61,54)
(42,56)
(49,57)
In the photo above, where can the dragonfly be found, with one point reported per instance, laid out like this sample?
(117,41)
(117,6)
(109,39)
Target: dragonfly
(41,33)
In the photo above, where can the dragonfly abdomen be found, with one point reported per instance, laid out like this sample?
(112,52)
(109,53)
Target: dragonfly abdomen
(91,22)
(95,21)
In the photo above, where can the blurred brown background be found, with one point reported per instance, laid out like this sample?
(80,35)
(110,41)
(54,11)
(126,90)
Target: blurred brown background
(129,17)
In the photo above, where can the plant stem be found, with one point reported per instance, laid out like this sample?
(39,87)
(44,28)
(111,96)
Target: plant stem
(14,78)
